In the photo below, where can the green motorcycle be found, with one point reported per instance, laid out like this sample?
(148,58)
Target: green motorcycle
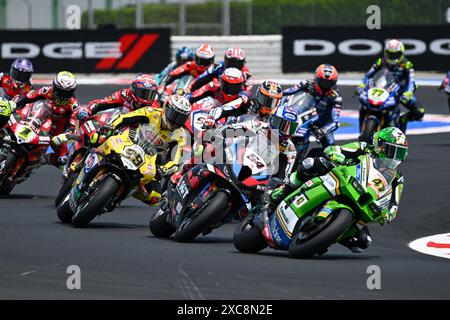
(322,212)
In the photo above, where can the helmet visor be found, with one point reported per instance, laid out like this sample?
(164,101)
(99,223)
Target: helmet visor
(233,63)
(20,76)
(144,94)
(175,118)
(231,88)
(284,127)
(394,56)
(64,94)
(326,83)
(266,102)
(204,62)
(393,151)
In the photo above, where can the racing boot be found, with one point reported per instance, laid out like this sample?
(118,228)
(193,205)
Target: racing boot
(359,242)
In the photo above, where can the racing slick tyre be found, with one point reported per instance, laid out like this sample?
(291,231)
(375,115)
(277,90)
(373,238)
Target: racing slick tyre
(65,188)
(248,238)
(63,210)
(200,220)
(370,127)
(160,226)
(305,247)
(6,185)
(94,204)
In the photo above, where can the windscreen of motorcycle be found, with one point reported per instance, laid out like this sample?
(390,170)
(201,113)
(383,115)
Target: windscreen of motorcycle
(39,113)
(383,79)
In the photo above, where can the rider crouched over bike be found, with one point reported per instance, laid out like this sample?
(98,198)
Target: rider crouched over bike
(389,147)
(166,133)
(395,61)
(18,81)
(329,102)
(65,110)
(141,93)
(266,99)
(234,58)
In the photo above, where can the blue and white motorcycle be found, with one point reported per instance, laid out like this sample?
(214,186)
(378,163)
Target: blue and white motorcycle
(379,105)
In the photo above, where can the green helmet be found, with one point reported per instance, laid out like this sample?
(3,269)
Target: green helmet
(391,146)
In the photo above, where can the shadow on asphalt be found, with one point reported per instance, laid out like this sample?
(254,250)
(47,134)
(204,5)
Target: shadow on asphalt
(24,196)
(105,225)
(326,256)
(200,240)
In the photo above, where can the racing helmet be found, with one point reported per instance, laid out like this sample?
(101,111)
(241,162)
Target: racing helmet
(394,51)
(231,83)
(391,146)
(284,120)
(183,55)
(204,56)
(64,85)
(234,58)
(143,90)
(268,97)
(326,77)
(21,70)
(175,112)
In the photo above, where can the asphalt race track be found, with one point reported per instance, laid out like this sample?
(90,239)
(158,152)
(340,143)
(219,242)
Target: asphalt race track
(119,259)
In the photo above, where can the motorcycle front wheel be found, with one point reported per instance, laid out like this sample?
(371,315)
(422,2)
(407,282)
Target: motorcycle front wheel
(306,247)
(197,222)
(88,209)
(6,185)
(248,238)
(65,188)
(370,127)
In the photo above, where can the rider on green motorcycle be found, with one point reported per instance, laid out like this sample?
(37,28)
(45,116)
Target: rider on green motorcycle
(389,146)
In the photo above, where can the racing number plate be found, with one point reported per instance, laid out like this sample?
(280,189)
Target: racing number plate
(133,157)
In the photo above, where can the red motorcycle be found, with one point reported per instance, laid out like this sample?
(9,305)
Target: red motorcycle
(24,144)
(179,86)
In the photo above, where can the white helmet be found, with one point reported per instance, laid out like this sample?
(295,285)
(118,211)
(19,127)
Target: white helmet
(176,111)
(64,85)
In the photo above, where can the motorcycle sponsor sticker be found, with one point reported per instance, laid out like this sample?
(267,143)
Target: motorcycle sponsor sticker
(329,183)
(436,245)
(309,183)
(182,189)
(287,218)
(178,207)
(300,200)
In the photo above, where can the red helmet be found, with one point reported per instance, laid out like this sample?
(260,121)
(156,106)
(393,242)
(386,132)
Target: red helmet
(231,83)
(234,58)
(143,90)
(204,56)
(326,77)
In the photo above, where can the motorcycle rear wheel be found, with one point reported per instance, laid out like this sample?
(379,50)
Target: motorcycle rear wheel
(323,239)
(211,213)
(97,200)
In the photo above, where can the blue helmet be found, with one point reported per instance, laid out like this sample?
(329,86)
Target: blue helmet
(183,55)
(21,70)
(284,119)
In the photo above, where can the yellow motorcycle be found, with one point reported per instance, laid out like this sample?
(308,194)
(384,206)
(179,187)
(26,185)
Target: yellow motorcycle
(122,166)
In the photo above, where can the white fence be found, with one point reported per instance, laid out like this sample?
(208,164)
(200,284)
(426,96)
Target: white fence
(263,53)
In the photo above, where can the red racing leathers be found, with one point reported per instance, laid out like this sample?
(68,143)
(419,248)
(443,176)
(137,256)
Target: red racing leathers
(63,115)
(120,98)
(212,89)
(11,88)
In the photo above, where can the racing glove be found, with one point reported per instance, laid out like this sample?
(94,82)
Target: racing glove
(169,168)
(406,97)
(334,154)
(82,113)
(59,139)
(443,84)
(359,89)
